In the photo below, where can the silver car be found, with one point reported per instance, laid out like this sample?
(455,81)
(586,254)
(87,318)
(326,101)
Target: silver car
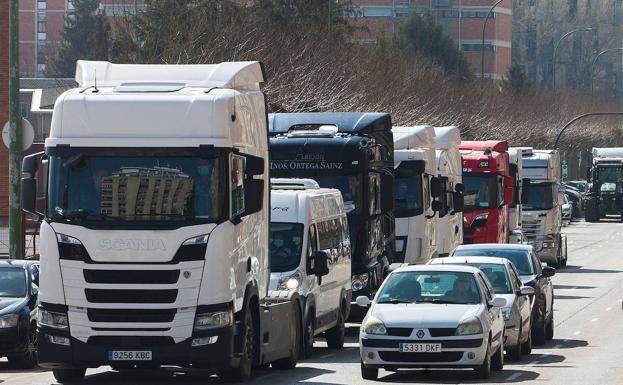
(506,284)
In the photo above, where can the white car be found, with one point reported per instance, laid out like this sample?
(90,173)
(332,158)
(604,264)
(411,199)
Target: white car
(433,316)
(506,283)
(567,211)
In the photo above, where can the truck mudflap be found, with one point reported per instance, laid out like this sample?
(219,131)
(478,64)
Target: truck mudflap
(281,325)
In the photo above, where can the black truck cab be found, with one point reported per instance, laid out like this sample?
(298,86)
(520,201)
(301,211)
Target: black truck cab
(353,152)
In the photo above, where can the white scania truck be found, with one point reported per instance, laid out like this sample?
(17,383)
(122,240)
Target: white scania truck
(415,189)
(450,170)
(542,202)
(515,233)
(154,241)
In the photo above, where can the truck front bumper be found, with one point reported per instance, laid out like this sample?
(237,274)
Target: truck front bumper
(545,254)
(219,354)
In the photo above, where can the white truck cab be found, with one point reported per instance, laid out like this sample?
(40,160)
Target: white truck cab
(515,233)
(450,172)
(309,229)
(415,189)
(154,241)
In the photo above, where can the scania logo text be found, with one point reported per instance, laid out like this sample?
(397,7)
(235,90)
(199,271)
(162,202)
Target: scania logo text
(132,244)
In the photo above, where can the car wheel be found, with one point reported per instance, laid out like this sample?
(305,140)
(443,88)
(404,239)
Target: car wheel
(69,375)
(483,371)
(538,331)
(369,373)
(549,329)
(290,361)
(526,347)
(308,337)
(243,371)
(335,335)
(514,353)
(28,359)
(497,361)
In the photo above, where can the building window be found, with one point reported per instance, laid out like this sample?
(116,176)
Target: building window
(448,13)
(41,26)
(377,12)
(477,15)
(476,47)
(42,4)
(23,109)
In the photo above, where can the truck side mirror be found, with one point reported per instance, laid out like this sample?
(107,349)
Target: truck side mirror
(254,165)
(435,187)
(387,192)
(508,195)
(30,164)
(321,263)
(459,187)
(458,199)
(436,206)
(253,196)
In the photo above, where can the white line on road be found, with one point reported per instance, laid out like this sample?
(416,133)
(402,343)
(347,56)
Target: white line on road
(513,376)
(595,320)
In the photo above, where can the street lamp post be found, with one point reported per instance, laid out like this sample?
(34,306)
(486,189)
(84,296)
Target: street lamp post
(556,50)
(569,123)
(595,62)
(482,46)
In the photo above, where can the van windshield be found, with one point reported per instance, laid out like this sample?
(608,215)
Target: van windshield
(286,241)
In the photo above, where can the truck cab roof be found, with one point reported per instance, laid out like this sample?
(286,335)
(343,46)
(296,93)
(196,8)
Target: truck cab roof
(447,137)
(344,122)
(416,137)
(305,205)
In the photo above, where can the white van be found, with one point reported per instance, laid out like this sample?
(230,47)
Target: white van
(310,252)
(450,168)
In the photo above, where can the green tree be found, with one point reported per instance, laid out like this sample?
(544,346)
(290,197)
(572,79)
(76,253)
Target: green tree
(423,35)
(86,36)
(516,80)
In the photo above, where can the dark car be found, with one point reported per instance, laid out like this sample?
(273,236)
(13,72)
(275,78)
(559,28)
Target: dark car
(532,273)
(577,200)
(18,308)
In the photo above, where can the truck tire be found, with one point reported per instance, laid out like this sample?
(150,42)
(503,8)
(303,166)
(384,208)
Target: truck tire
(335,335)
(243,371)
(295,326)
(591,209)
(69,375)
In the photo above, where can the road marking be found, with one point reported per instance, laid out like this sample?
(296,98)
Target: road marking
(513,376)
(595,320)
(577,333)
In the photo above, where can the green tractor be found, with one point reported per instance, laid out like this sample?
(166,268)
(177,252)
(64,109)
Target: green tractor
(605,196)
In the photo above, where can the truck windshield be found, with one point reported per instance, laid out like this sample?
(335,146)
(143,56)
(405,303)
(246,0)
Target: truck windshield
(408,196)
(286,240)
(539,197)
(349,185)
(481,191)
(12,283)
(134,189)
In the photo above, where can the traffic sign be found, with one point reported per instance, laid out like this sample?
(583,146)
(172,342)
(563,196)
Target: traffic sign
(28,134)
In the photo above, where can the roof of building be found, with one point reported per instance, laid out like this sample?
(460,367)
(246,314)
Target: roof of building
(46,90)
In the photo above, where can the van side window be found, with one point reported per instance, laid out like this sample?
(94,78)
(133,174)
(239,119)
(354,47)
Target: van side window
(325,235)
(236,186)
(374,193)
(312,241)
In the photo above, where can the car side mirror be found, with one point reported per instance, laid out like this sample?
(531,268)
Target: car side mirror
(435,187)
(497,302)
(549,271)
(363,301)
(253,196)
(321,263)
(526,290)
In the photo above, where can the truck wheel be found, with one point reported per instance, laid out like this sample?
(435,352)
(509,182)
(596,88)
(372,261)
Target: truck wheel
(295,338)
(368,373)
(28,359)
(591,210)
(243,371)
(565,255)
(308,337)
(335,335)
(69,375)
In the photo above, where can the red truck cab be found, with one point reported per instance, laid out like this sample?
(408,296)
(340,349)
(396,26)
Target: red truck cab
(488,191)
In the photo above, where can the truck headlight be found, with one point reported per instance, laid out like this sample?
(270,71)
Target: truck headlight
(359,281)
(469,326)
(52,319)
(506,313)
(549,244)
(199,240)
(374,325)
(213,320)
(8,321)
(291,282)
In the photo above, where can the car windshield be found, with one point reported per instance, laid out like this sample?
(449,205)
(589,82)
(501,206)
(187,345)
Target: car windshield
(443,287)
(498,276)
(349,185)
(133,189)
(481,191)
(519,258)
(286,240)
(408,196)
(12,283)
(539,197)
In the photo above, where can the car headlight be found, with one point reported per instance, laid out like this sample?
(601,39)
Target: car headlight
(549,244)
(9,320)
(506,313)
(374,325)
(52,319)
(291,282)
(469,326)
(213,320)
(359,281)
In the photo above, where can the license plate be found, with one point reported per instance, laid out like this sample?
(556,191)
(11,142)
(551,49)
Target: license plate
(129,355)
(420,348)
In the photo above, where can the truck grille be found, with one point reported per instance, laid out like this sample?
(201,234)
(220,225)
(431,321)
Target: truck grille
(531,227)
(164,277)
(130,296)
(131,315)
(130,341)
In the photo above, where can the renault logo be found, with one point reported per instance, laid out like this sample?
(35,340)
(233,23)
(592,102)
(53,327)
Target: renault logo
(186,274)
(420,334)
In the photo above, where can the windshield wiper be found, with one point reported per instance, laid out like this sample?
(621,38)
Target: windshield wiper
(396,301)
(441,301)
